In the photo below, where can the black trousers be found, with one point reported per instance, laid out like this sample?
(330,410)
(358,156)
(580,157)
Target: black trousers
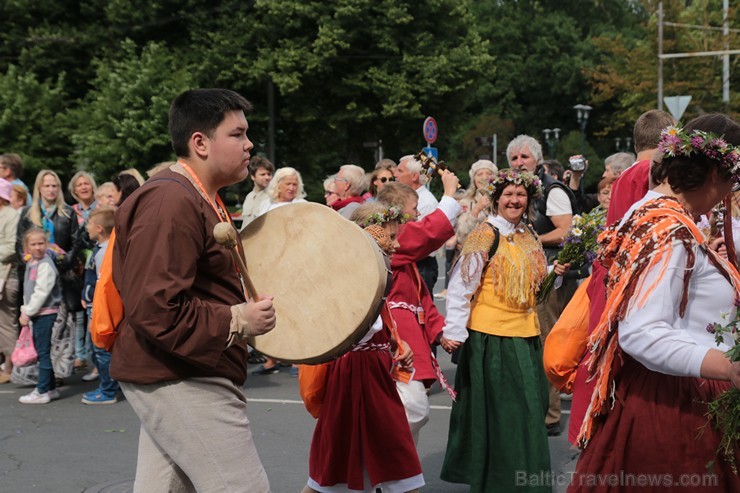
(429,271)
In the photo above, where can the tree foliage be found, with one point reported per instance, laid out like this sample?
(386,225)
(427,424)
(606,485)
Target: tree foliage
(87,84)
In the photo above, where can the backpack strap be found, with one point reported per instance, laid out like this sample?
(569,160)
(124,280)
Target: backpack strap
(496,240)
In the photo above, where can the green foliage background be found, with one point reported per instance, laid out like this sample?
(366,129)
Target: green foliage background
(88,86)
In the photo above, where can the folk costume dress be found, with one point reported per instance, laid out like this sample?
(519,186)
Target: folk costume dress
(419,322)
(497,434)
(647,415)
(362,439)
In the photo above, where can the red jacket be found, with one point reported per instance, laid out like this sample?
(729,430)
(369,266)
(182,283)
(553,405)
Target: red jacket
(418,240)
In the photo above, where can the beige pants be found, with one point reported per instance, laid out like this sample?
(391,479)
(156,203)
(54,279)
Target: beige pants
(548,314)
(9,314)
(195,436)
(416,403)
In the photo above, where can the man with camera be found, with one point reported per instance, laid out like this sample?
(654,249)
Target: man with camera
(552,220)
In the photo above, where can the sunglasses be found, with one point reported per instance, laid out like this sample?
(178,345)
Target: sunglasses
(385,179)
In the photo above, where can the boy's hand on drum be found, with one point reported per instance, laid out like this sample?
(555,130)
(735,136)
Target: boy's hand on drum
(252,318)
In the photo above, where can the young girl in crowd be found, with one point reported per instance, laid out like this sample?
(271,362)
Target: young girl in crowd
(362,439)
(42,297)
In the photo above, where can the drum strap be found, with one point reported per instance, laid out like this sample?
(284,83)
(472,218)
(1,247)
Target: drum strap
(218,207)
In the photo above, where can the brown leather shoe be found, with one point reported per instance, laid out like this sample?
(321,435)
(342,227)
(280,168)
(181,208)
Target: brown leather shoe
(4,377)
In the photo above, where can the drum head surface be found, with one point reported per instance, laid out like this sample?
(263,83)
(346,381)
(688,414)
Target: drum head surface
(326,274)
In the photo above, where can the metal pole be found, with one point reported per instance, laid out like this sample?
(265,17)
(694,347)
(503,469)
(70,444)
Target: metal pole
(271,121)
(726,58)
(660,53)
(495,147)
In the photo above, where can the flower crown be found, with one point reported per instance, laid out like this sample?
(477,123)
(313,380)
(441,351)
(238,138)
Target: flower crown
(508,176)
(674,141)
(393,213)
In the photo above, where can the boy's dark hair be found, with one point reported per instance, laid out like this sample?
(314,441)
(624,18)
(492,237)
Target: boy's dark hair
(259,162)
(13,162)
(200,110)
(104,215)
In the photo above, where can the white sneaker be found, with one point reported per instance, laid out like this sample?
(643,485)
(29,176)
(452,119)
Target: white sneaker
(92,375)
(54,394)
(35,398)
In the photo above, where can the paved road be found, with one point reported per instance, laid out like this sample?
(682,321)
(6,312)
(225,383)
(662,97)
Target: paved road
(66,446)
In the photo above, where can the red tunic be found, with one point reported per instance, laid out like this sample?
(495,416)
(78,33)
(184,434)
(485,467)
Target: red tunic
(418,240)
(362,425)
(631,186)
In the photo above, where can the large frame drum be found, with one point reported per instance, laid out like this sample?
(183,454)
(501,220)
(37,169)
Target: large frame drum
(327,275)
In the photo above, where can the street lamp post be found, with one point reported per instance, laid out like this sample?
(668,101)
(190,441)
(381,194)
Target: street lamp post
(552,137)
(582,111)
(627,147)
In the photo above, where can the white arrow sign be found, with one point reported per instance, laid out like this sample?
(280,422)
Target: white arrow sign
(677,105)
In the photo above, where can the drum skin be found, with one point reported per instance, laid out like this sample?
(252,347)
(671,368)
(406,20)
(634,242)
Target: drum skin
(327,276)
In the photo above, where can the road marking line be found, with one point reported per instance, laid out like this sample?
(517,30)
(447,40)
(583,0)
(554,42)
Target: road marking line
(293,401)
(275,401)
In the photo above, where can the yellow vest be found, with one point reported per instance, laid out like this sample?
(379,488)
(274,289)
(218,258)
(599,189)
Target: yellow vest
(505,302)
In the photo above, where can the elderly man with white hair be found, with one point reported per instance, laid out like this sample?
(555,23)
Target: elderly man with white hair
(552,219)
(349,184)
(409,172)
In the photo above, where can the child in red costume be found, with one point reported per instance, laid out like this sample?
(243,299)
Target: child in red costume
(419,322)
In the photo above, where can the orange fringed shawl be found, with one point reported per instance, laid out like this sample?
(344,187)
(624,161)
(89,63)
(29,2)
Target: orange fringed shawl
(629,252)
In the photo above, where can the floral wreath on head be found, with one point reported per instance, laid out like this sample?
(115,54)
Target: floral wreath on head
(675,141)
(393,213)
(505,177)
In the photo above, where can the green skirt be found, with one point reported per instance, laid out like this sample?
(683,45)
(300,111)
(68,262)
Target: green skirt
(497,440)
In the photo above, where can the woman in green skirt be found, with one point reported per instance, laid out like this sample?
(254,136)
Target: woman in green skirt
(498,440)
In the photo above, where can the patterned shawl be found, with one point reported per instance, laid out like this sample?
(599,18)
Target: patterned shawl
(646,239)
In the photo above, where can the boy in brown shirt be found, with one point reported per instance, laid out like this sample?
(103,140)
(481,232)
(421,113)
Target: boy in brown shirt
(180,355)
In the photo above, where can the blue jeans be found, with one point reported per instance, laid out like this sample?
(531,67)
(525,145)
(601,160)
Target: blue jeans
(101,359)
(108,386)
(41,329)
(83,343)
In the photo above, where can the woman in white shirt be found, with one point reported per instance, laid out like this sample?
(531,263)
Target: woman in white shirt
(285,188)
(655,363)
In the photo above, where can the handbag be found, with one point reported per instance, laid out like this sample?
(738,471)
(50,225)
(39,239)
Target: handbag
(24,352)
(62,351)
(312,381)
(567,341)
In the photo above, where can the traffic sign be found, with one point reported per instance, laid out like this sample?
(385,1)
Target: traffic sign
(677,105)
(430,130)
(431,152)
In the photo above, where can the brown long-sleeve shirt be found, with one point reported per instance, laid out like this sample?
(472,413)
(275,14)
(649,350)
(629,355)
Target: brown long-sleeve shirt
(177,285)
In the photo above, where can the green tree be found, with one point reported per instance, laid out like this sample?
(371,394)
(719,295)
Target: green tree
(32,120)
(122,122)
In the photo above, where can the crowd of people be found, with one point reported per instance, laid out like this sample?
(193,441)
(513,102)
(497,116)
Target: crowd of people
(640,386)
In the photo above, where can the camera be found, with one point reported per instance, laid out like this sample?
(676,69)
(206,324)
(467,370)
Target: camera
(577,163)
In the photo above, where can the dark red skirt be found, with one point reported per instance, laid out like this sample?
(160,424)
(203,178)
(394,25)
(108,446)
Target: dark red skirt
(656,438)
(362,425)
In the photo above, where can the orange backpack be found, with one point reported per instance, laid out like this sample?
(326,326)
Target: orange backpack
(567,342)
(107,312)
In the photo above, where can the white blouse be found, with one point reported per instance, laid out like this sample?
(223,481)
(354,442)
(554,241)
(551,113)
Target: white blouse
(655,335)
